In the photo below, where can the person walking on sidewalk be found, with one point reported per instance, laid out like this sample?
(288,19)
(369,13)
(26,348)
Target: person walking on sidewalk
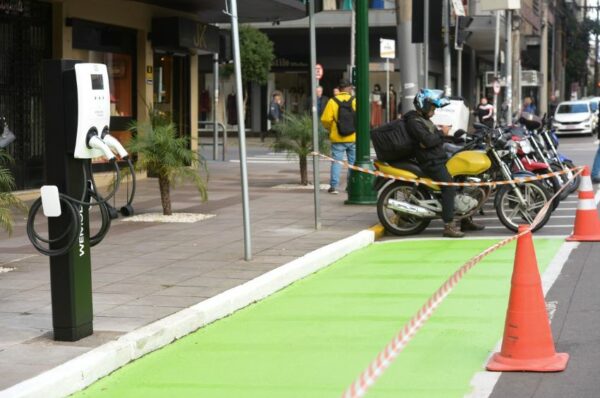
(485,112)
(432,157)
(321,102)
(339,118)
(596,165)
(275,111)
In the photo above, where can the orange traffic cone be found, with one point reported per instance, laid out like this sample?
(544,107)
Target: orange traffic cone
(527,344)
(587,223)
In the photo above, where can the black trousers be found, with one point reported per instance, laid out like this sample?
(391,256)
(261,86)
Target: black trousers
(437,171)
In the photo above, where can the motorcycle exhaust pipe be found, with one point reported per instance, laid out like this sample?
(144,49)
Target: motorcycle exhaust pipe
(407,208)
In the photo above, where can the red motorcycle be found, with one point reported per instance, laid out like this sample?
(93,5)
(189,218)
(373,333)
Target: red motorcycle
(523,162)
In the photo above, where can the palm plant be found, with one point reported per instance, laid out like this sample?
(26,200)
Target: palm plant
(8,201)
(160,150)
(294,135)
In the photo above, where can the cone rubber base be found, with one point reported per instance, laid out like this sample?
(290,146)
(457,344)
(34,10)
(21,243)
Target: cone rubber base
(583,238)
(555,363)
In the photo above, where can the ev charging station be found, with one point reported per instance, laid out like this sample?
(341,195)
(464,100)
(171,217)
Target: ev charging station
(77,128)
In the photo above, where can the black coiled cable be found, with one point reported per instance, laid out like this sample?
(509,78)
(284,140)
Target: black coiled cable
(127,210)
(36,239)
(72,233)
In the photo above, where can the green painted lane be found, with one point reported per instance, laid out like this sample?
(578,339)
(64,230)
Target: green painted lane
(313,338)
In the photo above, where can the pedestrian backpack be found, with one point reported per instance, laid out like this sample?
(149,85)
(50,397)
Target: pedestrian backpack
(346,117)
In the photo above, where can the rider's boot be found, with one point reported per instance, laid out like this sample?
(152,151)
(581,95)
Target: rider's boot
(467,224)
(452,231)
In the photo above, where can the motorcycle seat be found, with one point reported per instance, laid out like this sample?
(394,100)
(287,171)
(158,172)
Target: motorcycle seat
(408,165)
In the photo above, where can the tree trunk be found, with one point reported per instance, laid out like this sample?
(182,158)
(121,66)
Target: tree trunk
(165,195)
(303,171)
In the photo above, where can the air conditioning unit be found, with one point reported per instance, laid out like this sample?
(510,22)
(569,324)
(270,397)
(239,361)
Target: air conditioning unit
(531,78)
(493,5)
(489,79)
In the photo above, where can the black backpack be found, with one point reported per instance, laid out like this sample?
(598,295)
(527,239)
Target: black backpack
(346,117)
(392,142)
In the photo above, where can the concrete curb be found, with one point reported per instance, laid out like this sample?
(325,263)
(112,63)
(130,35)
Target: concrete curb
(84,370)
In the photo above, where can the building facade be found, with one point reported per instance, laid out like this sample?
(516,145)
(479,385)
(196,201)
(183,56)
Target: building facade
(152,49)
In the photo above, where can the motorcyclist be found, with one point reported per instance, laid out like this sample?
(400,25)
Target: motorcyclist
(432,157)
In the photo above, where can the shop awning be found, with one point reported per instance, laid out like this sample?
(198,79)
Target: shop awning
(211,11)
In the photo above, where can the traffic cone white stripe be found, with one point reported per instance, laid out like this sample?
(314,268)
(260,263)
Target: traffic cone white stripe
(586,184)
(586,204)
(587,222)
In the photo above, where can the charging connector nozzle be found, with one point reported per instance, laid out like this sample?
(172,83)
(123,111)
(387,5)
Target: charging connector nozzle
(114,144)
(97,143)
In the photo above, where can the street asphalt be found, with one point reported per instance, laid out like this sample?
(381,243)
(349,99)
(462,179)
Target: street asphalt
(143,272)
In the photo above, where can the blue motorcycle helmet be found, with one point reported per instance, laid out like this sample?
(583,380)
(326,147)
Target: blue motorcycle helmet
(427,99)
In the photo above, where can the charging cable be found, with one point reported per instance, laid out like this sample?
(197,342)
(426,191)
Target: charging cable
(72,234)
(115,145)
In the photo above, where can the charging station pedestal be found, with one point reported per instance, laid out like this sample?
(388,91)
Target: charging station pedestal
(70,274)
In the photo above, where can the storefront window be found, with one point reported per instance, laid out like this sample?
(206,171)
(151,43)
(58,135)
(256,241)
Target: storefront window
(120,75)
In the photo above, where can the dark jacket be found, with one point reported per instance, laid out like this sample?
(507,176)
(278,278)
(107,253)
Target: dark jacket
(321,102)
(275,112)
(430,139)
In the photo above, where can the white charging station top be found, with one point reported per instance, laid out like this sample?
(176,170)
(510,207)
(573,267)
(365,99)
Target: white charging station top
(93,105)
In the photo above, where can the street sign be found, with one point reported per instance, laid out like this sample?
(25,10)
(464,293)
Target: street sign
(387,48)
(458,7)
(319,71)
(496,86)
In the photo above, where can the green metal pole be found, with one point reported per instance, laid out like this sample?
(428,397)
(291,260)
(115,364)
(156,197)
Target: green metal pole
(360,188)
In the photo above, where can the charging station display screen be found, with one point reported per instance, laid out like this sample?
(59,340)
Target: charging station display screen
(97,82)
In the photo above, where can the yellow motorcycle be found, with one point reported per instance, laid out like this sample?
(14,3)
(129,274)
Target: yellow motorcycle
(406,208)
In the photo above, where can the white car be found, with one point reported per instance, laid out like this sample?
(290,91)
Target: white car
(595,107)
(574,117)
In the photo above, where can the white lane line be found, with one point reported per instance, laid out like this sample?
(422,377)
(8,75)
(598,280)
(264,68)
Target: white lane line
(483,383)
(503,227)
(490,237)
(496,218)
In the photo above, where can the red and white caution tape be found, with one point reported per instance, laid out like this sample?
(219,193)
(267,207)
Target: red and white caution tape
(442,183)
(386,357)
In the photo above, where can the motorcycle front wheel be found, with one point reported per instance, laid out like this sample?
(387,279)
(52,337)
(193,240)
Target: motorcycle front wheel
(553,185)
(510,211)
(395,222)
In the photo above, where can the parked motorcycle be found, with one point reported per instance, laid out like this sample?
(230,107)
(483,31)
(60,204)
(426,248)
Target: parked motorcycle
(523,161)
(544,150)
(562,161)
(405,208)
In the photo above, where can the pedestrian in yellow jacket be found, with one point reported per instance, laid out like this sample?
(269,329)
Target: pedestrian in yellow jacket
(340,143)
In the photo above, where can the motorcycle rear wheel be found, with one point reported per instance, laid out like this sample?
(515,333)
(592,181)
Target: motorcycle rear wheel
(509,210)
(399,223)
